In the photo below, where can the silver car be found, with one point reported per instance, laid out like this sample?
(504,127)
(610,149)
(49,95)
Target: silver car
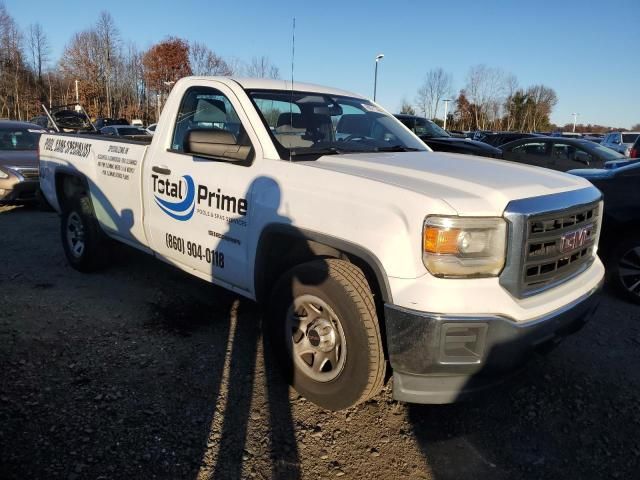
(620,141)
(19,172)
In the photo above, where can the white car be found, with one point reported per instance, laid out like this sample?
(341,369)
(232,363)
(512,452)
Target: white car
(151,129)
(367,250)
(620,141)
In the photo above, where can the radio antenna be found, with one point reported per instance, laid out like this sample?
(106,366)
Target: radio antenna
(293,56)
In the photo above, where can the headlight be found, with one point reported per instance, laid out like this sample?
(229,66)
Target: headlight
(3,174)
(464,247)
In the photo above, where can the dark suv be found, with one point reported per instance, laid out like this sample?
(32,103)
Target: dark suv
(439,140)
(619,246)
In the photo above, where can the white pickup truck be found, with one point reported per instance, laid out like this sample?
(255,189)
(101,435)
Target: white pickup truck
(373,255)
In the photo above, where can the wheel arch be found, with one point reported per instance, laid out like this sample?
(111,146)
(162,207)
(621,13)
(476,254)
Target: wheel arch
(301,245)
(67,184)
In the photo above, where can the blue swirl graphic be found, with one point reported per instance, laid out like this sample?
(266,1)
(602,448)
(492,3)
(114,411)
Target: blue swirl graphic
(182,210)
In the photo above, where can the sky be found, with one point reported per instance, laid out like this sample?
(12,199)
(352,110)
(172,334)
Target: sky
(586,51)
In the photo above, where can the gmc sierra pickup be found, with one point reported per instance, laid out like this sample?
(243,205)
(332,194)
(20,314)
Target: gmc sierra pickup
(371,254)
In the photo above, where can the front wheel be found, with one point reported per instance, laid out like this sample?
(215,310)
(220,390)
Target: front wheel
(325,330)
(83,241)
(625,268)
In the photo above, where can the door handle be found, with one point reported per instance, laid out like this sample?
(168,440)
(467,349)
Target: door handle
(161,170)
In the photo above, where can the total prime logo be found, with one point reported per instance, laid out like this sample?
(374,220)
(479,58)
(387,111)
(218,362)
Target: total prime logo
(183,208)
(178,199)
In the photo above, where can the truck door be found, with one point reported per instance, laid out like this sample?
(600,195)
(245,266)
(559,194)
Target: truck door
(197,206)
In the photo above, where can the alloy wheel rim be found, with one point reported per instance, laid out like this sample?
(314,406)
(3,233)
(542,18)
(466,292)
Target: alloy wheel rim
(629,270)
(315,338)
(75,235)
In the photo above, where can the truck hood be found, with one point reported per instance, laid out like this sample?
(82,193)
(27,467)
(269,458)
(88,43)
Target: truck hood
(470,185)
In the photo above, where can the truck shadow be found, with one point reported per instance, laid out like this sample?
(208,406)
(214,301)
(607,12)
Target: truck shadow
(232,370)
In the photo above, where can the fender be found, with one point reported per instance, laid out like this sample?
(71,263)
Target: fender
(323,245)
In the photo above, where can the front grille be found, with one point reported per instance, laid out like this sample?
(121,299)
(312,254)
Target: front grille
(558,246)
(552,238)
(29,173)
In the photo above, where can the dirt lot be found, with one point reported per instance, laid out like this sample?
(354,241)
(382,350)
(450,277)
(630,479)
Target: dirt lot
(144,372)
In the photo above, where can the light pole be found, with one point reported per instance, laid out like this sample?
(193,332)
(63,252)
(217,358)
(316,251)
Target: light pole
(575,116)
(77,96)
(379,57)
(446,107)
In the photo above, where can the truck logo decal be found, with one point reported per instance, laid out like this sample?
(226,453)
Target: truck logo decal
(183,209)
(575,239)
(183,203)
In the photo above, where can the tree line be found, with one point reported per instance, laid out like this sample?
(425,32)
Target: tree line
(491,99)
(113,77)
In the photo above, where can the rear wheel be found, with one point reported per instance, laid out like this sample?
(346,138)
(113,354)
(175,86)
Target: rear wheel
(625,268)
(324,328)
(83,241)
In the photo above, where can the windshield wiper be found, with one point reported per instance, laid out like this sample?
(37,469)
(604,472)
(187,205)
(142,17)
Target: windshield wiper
(317,151)
(397,148)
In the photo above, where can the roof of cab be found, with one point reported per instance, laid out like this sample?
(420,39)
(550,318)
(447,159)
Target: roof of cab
(270,84)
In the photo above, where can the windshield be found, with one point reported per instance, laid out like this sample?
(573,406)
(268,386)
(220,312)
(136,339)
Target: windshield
(629,137)
(19,138)
(131,131)
(426,128)
(307,124)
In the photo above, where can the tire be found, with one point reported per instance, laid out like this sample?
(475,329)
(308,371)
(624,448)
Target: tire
(625,268)
(325,331)
(83,241)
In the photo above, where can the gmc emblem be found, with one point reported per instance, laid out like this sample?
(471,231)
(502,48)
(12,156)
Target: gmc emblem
(576,239)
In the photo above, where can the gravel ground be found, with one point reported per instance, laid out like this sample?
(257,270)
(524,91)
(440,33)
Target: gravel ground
(144,372)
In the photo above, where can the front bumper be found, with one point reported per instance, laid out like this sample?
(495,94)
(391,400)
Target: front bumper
(16,190)
(441,359)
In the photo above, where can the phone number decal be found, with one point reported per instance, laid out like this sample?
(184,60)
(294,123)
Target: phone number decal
(194,250)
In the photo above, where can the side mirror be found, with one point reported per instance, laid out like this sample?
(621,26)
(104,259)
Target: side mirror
(218,144)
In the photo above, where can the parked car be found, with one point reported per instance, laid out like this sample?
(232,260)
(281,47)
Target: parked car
(559,153)
(635,149)
(500,138)
(126,131)
(19,176)
(101,122)
(70,118)
(440,140)
(566,134)
(151,129)
(368,249)
(620,141)
(620,234)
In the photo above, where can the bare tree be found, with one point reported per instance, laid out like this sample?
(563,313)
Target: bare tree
(511,84)
(205,62)
(38,48)
(12,66)
(407,108)
(109,38)
(436,86)
(261,67)
(485,88)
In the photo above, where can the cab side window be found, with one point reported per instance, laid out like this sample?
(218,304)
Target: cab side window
(206,108)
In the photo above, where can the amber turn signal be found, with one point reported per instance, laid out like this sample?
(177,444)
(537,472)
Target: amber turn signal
(441,241)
